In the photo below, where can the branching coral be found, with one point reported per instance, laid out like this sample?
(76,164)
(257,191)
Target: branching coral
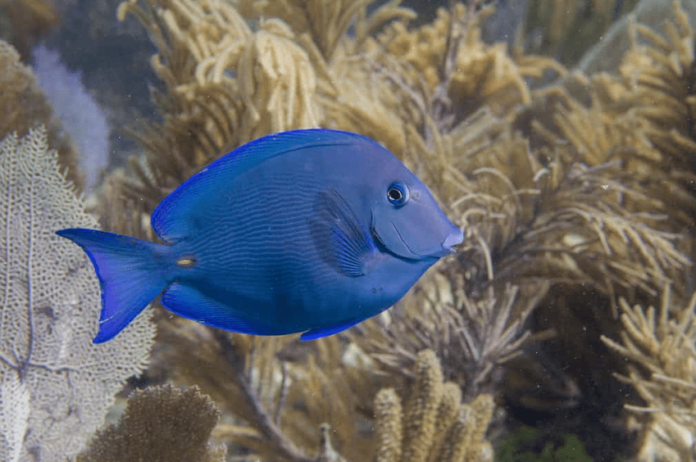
(472,335)
(660,343)
(309,411)
(635,123)
(556,209)
(326,22)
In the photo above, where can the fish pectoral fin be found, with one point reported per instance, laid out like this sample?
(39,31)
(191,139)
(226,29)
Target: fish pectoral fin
(190,303)
(339,237)
(320,332)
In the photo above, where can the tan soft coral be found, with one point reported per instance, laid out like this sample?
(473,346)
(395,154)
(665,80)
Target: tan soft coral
(24,106)
(24,22)
(226,84)
(432,425)
(450,51)
(659,343)
(277,83)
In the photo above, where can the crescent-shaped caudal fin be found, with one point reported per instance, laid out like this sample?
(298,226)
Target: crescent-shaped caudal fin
(131,273)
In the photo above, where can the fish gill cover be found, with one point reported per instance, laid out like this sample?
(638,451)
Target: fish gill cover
(576,197)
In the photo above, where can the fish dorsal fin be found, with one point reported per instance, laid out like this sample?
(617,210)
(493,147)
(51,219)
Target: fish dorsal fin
(171,219)
(339,237)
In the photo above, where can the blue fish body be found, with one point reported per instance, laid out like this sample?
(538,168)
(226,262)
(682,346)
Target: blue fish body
(304,231)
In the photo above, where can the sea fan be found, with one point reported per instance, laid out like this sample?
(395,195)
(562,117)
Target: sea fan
(56,385)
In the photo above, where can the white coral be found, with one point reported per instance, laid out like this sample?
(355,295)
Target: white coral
(49,309)
(14,414)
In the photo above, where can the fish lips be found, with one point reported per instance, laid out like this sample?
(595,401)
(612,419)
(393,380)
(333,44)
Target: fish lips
(451,242)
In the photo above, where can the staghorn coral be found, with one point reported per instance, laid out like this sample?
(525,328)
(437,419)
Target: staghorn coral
(159,424)
(56,385)
(433,425)
(660,345)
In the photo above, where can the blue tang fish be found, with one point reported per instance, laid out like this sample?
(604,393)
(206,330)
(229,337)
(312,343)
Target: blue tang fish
(307,231)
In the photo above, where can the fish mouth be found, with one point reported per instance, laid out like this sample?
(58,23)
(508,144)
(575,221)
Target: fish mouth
(452,242)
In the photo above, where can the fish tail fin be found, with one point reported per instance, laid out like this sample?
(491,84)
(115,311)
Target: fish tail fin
(131,273)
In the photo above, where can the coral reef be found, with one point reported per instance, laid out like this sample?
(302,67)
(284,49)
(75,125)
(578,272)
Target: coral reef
(312,410)
(56,385)
(226,84)
(574,187)
(279,403)
(160,424)
(571,196)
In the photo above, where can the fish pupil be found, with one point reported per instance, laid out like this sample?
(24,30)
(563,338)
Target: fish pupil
(394,194)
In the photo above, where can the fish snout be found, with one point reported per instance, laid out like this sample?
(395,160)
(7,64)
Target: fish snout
(451,241)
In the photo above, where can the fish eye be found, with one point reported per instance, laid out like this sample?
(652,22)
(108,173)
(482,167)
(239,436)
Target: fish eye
(397,193)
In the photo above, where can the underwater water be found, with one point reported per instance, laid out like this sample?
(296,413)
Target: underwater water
(347,230)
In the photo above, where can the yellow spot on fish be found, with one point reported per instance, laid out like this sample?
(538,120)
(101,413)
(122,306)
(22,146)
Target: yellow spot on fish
(185,262)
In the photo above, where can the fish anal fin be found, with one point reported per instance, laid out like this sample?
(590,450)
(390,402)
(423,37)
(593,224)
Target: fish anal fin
(320,332)
(190,303)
